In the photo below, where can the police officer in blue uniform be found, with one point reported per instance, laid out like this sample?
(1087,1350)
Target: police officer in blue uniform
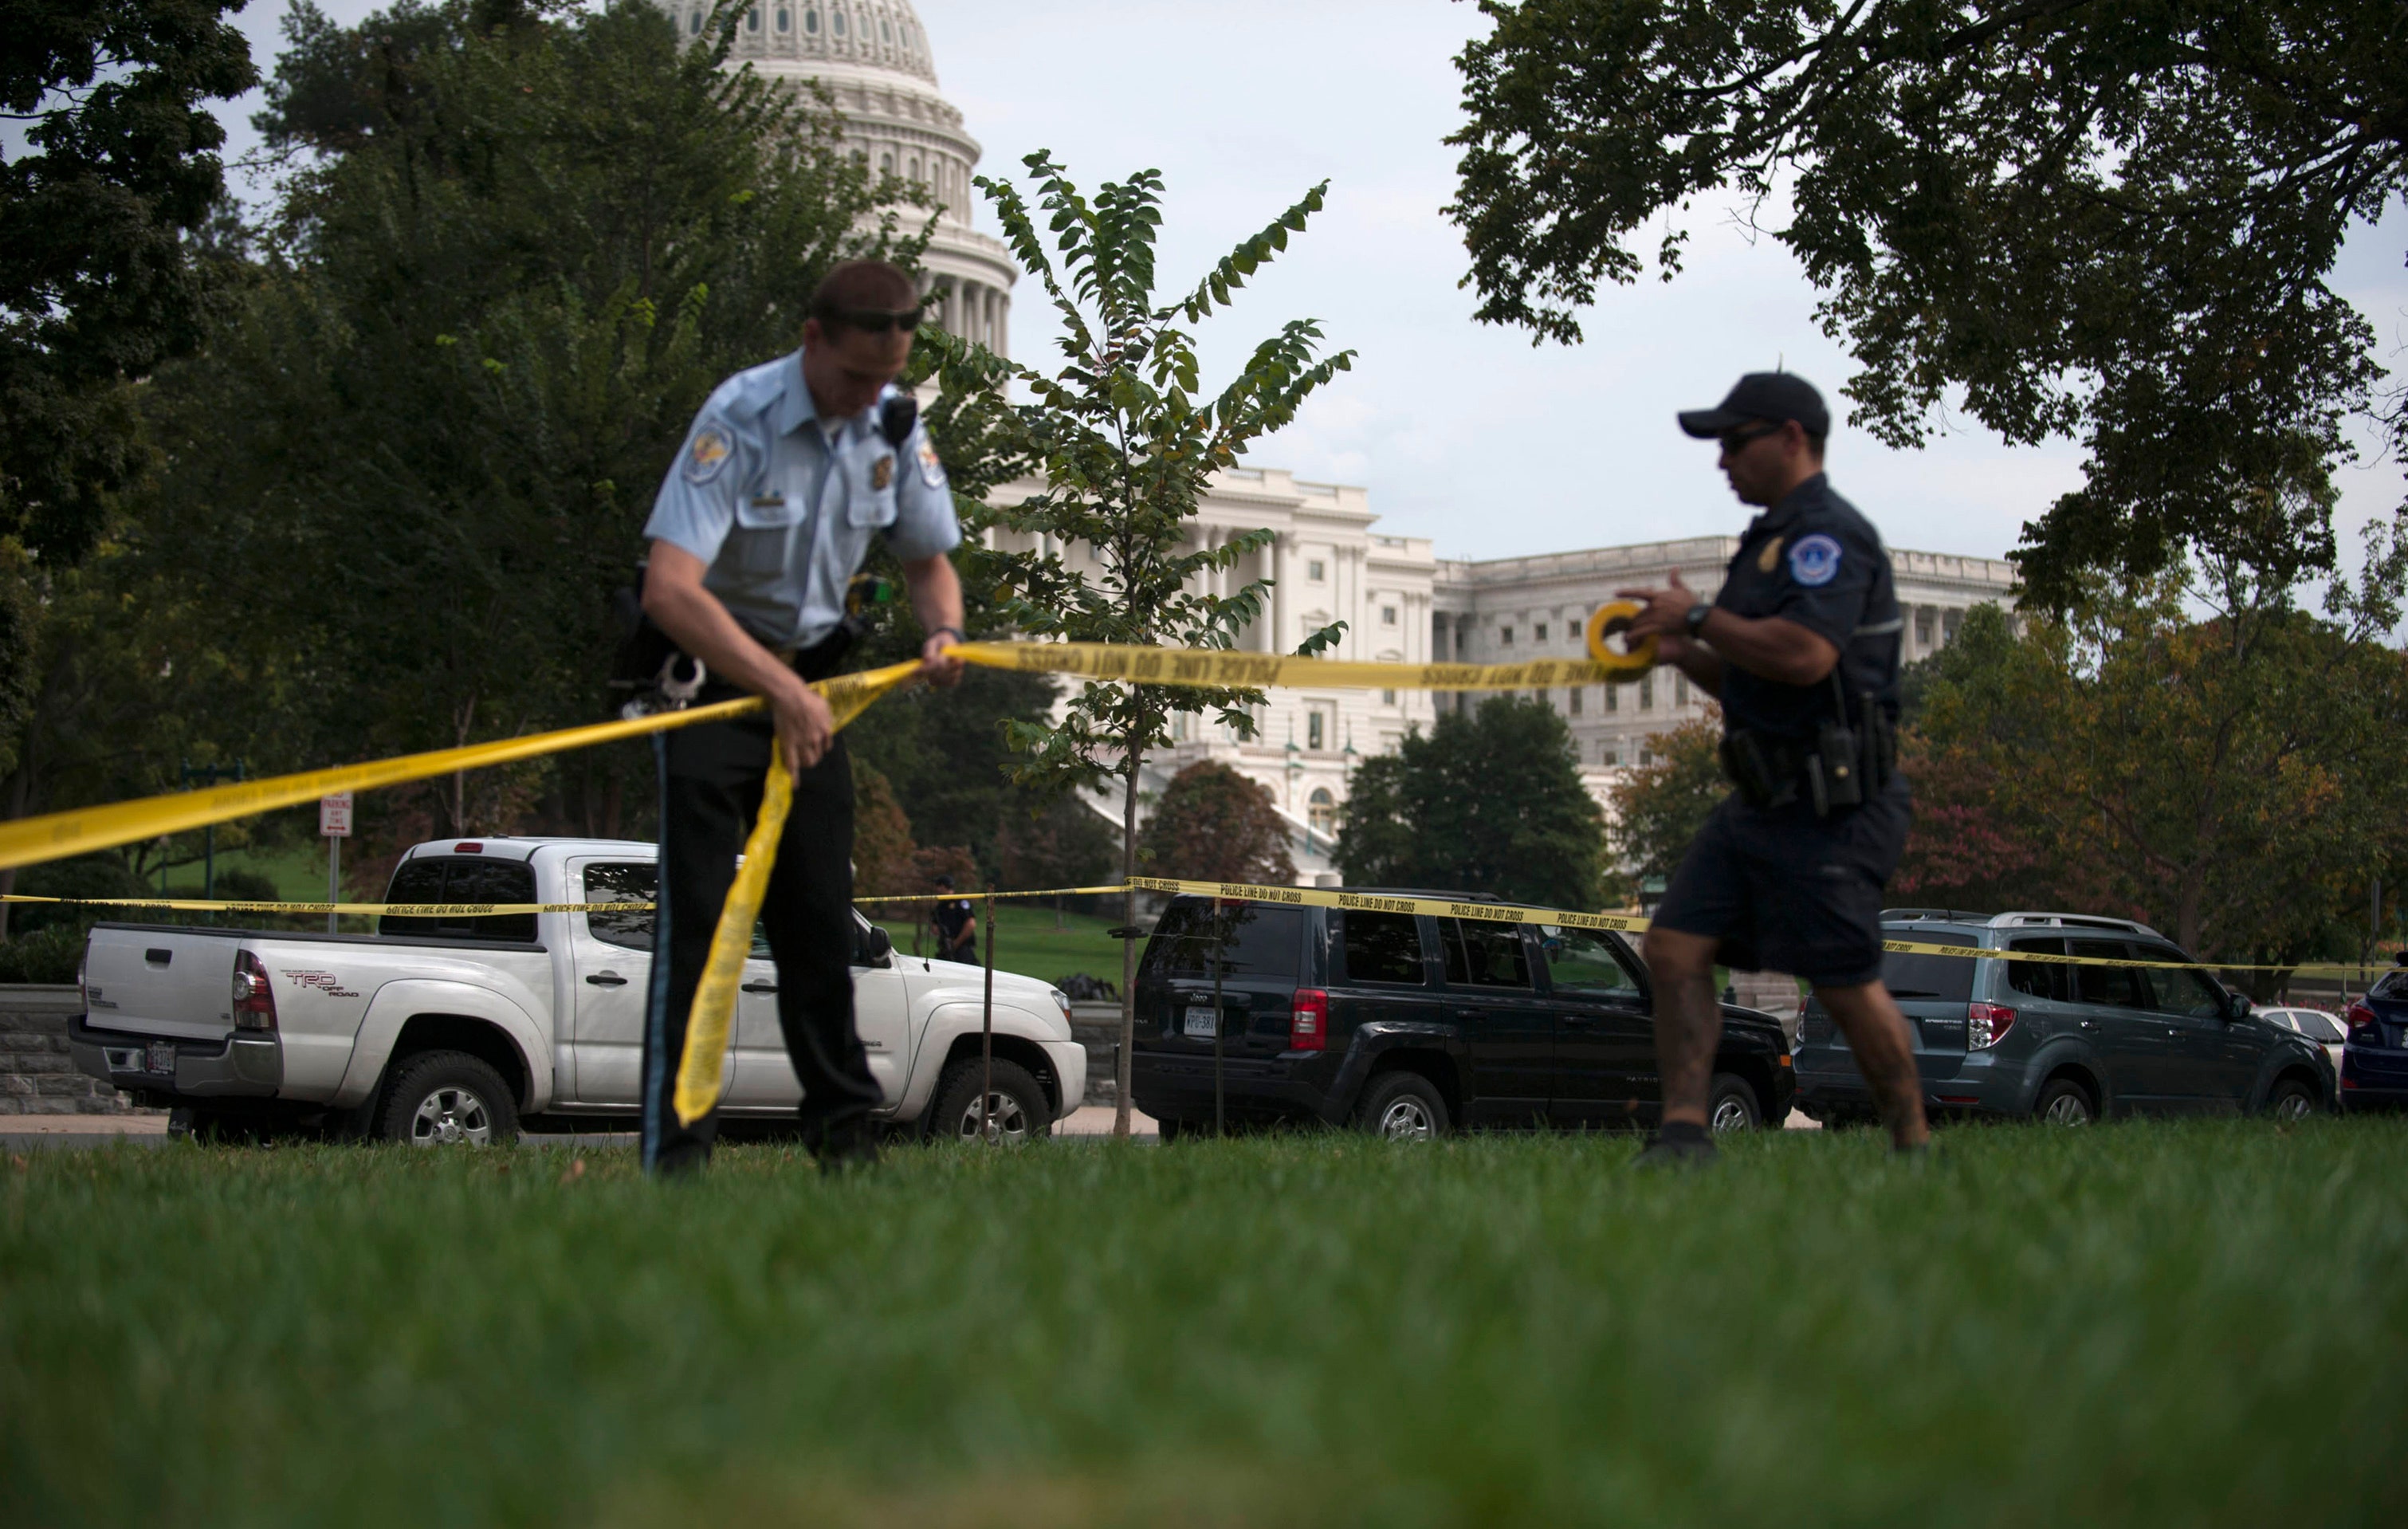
(1802,647)
(789,470)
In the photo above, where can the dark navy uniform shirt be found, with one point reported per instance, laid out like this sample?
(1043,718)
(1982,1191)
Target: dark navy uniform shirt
(1812,559)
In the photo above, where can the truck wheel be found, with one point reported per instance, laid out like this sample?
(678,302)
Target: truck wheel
(1731,1105)
(1016,1110)
(1402,1108)
(445,1099)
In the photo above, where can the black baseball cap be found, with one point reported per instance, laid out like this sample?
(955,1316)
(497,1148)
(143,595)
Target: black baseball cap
(1761,396)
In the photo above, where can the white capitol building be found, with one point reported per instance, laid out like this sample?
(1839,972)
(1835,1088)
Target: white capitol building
(1400,600)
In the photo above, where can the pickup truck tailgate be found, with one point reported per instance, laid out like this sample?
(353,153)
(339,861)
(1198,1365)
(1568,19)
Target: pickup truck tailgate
(155,981)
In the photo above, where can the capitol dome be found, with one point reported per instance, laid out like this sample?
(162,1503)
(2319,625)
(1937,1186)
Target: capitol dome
(872,56)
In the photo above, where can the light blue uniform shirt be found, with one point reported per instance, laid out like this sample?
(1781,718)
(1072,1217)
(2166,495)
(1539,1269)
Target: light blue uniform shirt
(782,517)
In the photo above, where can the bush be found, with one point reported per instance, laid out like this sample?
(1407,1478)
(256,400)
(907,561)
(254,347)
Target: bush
(48,955)
(247,887)
(87,876)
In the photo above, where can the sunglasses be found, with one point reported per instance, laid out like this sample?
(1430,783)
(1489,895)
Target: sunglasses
(872,321)
(1755,432)
(1733,440)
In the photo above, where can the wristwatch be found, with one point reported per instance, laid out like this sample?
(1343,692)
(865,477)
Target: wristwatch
(1696,620)
(959,635)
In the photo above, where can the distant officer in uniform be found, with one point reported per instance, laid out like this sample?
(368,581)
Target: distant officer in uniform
(1801,645)
(956,925)
(789,470)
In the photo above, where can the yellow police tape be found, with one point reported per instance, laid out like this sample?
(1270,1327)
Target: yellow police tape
(1628,923)
(81,830)
(1222,668)
(412,909)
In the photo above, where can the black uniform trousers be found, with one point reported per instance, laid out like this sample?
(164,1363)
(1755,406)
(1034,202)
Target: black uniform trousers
(711,778)
(1783,890)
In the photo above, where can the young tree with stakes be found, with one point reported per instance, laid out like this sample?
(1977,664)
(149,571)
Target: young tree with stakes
(1125,442)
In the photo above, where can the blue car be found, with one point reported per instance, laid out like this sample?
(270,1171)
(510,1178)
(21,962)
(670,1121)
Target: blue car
(1998,1034)
(2374,1054)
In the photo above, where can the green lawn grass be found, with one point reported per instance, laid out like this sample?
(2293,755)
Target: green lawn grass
(1026,942)
(2136,1324)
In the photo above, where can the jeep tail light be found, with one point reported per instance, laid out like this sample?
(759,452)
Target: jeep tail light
(1986,1024)
(255,1002)
(2361,1017)
(1308,1021)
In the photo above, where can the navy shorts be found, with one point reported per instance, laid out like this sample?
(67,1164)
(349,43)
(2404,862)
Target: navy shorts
(1783,890)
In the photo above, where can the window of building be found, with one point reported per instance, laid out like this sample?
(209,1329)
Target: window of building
(1315,570)
(1610,754)
(1923,625)
(913,171)
(836,21)
(885,29)
(812,20)
(1387,615)
(1575,694)
(1647,693)
(1680,689)
(1321,810)
(1614,698)
(753,20)
(1315,729)
(1950,622)
(1387,697)
(886,164)
(1538,633)
(694,24)
(1646,755)
(1504,637)
(785,18)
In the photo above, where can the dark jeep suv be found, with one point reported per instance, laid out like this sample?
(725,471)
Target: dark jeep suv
(1409,1025)
(1994,1035)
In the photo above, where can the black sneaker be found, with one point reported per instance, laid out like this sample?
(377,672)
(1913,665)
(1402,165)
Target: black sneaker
(1679,1145)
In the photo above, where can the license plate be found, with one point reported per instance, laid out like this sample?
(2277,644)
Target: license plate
(1200,1024)
(162,1057)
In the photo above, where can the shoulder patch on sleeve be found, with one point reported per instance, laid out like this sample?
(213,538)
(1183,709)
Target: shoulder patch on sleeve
(708,453)
(932,472)
(1814,560)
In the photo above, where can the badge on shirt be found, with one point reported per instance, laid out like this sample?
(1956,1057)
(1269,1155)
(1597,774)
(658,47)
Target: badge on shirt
(932,472)
(706,454)
(882,471)
(1769,555)
(1815,561)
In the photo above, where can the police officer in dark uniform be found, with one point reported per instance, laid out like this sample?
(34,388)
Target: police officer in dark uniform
(1802,645)
(788,472)
(956,925)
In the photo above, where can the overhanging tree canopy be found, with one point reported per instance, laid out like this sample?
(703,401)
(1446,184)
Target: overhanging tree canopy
(2105,219)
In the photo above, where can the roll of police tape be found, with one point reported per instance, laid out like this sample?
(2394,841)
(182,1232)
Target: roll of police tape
(1609,621)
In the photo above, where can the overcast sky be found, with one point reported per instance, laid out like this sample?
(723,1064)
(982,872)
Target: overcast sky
(1462,433)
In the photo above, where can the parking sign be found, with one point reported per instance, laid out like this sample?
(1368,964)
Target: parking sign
(334,816)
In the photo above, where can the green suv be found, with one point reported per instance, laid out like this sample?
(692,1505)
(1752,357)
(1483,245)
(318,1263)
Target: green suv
(2066,1043)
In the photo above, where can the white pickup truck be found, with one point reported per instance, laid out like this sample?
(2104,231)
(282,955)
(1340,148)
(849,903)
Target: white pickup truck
(444,1028)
